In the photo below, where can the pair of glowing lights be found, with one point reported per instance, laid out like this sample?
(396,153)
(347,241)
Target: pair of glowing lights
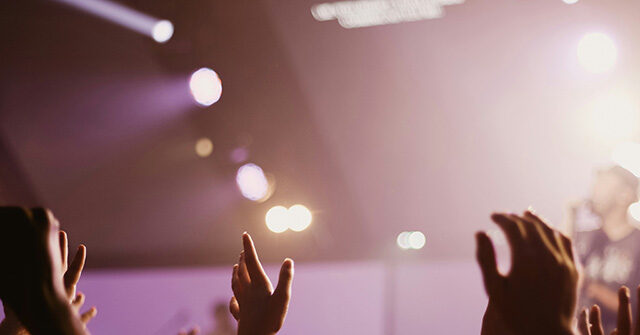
(280,219)
(411,240)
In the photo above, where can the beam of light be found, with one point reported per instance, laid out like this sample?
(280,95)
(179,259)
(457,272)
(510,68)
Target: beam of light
(252,182)
(627,155)
(597,53)
(300,217)
(206,86)
(160,30)
(570,2)
(204,147)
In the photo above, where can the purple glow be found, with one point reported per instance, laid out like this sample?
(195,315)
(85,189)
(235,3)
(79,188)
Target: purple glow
(252,182)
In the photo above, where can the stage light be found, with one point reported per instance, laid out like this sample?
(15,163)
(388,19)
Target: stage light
(206,87)
(569,2)
(597,52)
(252,182)
(615,117)
(403,240)
(299,217)
(277,219)
(162,31)
(204,147)
(417,240)
(627,155)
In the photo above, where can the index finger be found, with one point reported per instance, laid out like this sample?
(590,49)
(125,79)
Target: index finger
(256,272)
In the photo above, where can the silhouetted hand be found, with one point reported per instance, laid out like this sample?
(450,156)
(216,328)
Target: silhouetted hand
(591,323)
(538,295)
(12,326)
(258,308)
(31,285)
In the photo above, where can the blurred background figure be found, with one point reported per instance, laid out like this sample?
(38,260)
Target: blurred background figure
(222,322)
(607,240)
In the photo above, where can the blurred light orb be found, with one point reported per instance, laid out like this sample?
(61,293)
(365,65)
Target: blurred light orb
(277,219)
(569,2)
(417,240)
(627,155)
(204,147)
(597,52)
(615,117)
(206,86)
(634,211)
(162,31)
(300,217)
(403,240)
(252,182)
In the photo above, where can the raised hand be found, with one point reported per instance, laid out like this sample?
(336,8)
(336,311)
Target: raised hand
(258,308)
(538,295)
(591,323)
(12,326)
(31,284)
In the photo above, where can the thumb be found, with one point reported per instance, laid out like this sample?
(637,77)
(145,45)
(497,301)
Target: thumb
(282,294)
(486,257)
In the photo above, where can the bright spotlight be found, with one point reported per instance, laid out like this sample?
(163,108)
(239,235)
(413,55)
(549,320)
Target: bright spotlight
(162,31)
(277,219)
(569,2)
(204,147)
(615,117)
(627,155)
(403,240)
(299,217)
(206,87)
(597,53)
(252,182)
(417,240)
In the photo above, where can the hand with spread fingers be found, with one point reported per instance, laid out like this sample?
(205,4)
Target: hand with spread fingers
(590,323)
(259,309)
(72,272)
(538,295)
(32,286)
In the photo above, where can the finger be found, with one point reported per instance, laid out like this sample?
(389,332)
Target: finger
(72,276)
(234,308)
(64,249)
(486,257)
(243,273)
(235,281)
(636,331)
(615,332)
(624,312)
(583,323)
(596,321)
(547,232)
(567,247)
(256,272)
(88,315)
(279,303)
(194,331)
(512,231)
(78,301)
